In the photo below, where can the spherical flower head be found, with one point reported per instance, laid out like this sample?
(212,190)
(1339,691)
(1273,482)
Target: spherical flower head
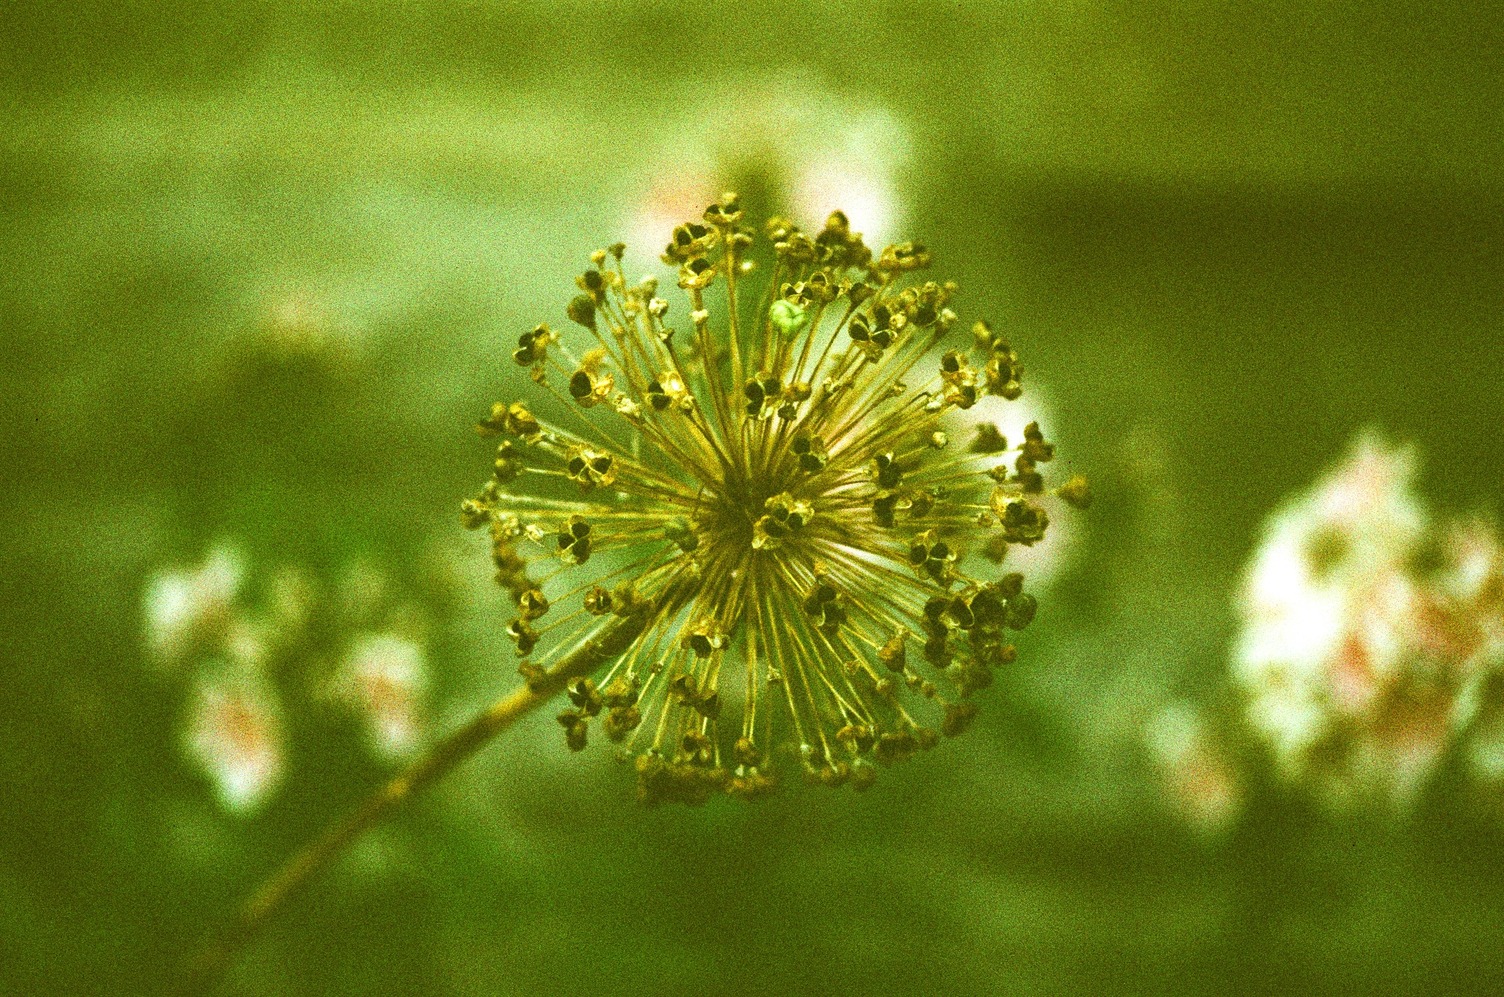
(1366,629)
(736,521)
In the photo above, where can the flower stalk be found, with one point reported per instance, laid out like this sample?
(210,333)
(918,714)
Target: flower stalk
(209,964)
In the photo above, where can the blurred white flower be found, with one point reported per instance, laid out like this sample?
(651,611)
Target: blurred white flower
(1357,656)
(1200,779)
(233,734)
(187,609)
(238,637)
(816,149)
(853,169)
(382,679)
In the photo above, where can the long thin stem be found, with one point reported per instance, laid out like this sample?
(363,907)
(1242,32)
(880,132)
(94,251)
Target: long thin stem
(204,970)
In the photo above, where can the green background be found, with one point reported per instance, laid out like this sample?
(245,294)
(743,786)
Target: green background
(1224,237)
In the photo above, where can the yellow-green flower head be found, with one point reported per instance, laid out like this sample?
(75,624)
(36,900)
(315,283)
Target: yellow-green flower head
(737,522)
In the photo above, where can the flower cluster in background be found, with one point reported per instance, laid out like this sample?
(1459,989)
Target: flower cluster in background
(794,141)
(245,645)
(1371,649)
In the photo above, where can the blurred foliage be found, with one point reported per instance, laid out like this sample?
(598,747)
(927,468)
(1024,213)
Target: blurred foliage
(260,267)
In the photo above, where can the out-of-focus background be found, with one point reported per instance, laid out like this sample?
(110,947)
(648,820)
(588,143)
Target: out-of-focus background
(262,265)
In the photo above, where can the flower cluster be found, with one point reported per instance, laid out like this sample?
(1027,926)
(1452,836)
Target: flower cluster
(238,642)
(742,527)
(1373,632)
